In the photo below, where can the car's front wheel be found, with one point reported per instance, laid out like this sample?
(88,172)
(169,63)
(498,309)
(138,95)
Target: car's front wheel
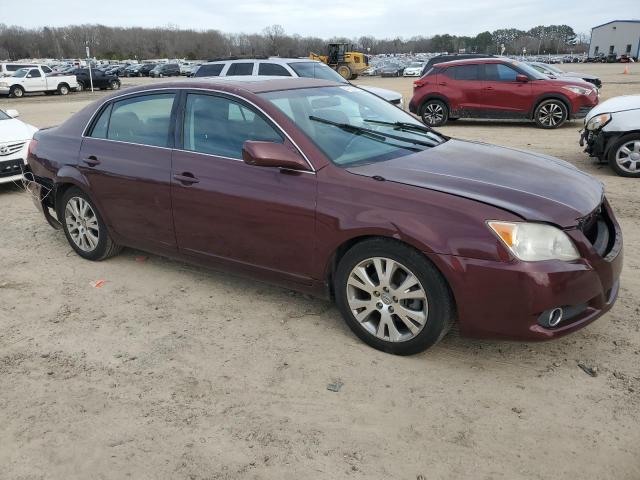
(435,113)
(392,297)
(551,114)
(115,85)
(624,156)
(84,228)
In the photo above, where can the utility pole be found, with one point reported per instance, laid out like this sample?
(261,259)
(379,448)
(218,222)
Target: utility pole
(89,63)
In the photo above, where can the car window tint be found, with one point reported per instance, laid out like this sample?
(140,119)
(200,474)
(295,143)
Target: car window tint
(497,72)
(273,69)
(465,72)
(35,73)
(209,70)
(220,126)
(101,125)
(145,120)
(316,70)
(240,69)
(46,69)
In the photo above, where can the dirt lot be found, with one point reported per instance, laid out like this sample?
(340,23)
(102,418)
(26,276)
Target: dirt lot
(170,371)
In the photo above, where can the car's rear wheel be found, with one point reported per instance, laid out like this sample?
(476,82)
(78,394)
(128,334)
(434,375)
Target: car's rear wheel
(80,87)
(551,114)
(115,85)
(84,228)
(392,297)
(434,113)
(17,91)
(624,156)
(63,89)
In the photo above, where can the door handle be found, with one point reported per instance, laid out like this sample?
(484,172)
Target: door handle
(488,88)
(92,161)
(444,84)
(186,178)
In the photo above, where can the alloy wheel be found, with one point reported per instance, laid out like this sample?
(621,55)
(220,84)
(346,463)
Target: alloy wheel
(387,299)
(82,224)
(433,114)
(628,157)
(551,114)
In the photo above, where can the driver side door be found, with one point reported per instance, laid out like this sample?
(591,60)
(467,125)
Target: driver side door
(34,81)
(260,219)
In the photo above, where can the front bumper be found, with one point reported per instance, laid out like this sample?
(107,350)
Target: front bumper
(506,300)
(5,90)
(12,164)
(597,142)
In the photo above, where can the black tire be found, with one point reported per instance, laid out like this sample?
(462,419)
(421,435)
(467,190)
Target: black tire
(434,113)
(16,91)
(345,71)
(105,247)
(115,85)
(63,89)
(80,87)
(441,308)
(624,168)
(550,114)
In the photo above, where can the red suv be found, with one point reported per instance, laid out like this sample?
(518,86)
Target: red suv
(498,88)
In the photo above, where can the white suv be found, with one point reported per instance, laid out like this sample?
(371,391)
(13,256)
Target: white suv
(286,67)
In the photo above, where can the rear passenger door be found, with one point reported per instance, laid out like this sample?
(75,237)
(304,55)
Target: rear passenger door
(126,159)
(256,218)
(461,84)
(505,97)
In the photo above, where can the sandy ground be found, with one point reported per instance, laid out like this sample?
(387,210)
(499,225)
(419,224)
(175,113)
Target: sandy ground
(170,371)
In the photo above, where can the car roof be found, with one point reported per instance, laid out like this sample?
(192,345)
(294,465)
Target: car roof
(471,61)
(278,60)
(249,83)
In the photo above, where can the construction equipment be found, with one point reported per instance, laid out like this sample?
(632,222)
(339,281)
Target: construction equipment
(347,63)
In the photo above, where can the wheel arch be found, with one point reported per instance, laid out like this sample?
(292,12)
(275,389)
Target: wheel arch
(433,96)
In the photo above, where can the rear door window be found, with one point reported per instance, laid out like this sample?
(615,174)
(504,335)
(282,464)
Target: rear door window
(273,69)
(35,73)
(465,72)
(220,126)
(145,120)
(240,69)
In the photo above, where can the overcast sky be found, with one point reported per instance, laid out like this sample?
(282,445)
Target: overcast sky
(325,18)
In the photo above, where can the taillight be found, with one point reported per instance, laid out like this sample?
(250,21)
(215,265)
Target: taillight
(419,83)
(32,145)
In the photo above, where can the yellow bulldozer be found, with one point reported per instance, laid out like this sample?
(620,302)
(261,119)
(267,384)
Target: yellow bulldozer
(346,62)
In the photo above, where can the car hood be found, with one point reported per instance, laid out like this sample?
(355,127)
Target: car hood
(12,130)
(382,92)
(535,187)
(580,75)
(615,104)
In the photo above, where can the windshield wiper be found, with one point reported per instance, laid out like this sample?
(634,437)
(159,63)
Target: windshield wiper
(403,126)
(362,131)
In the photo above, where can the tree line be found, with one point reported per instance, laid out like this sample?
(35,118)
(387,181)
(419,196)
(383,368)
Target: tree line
(172,42)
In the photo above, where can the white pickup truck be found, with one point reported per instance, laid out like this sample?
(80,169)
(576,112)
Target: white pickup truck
(34,79)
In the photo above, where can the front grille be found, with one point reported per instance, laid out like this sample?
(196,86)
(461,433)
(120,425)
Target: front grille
(599,230)
(10,148)
(10,168)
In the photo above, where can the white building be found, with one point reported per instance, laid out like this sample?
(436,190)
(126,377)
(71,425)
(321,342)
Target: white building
(621,37)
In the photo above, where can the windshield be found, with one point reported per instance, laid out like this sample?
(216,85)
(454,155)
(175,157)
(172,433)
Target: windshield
(553,69)
(22,72)
(4,116)
(316,70)
(352,126)
(530,71)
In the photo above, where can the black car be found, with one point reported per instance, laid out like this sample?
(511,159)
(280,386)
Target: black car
(165,70)
(146,68)
(100,79)
(450,58)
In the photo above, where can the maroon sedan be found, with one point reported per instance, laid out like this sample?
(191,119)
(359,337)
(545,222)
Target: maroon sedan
(328,189)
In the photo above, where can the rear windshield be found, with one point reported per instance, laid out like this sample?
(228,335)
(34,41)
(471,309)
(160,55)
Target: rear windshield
(316,70)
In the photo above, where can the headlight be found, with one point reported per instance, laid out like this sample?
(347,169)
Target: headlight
(4,84)
(598,121)
(532,242)
(578,90)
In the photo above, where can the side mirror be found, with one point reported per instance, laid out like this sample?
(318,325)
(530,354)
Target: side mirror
(28,76)
(522,78)
(270,154)
(12,113)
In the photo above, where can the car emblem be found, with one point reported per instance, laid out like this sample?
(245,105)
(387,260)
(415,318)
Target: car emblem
(4,150)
